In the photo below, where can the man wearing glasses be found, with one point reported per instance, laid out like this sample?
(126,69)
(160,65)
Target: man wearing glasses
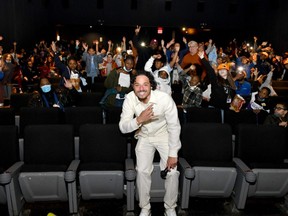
(279,117)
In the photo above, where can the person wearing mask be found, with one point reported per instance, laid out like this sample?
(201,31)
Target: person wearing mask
(47,96)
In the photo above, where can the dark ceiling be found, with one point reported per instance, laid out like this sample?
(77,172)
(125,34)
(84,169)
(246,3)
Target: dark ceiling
(27,21)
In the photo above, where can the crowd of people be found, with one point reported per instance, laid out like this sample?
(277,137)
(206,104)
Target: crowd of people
(149,83)
(197,74)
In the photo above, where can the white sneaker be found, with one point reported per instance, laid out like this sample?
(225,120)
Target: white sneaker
(170,212)
(145,212)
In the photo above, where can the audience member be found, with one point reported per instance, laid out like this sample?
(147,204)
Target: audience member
(92,60)
(118,84)
(260,101)
(279,117)
(47,96)
(222,84)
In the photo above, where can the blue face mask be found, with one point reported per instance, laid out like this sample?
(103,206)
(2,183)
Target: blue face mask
(46,88)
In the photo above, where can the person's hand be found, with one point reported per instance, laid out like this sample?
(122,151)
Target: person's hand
(157,56)
(283,124)
(192,67)
(162,43)
(124,39)
(77,42)
(85,46)
(137,30)
(53,46)
(184,40)
(145,115)
(1,37)
(130,42)
(172,162)
(109,42)
(68,84)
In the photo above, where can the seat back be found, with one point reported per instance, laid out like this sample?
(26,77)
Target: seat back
(208,149)
(112,115)
(263,148)
(17,101)
(9,146)
(48,152)
(9,152)
(102,152)
(82,115)
(195,114)
(39,115)
(7,116)
(243,117)
(89,99)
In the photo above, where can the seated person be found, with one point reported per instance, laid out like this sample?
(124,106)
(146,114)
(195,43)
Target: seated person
(260,101)
(192,93)
(162,78)
(47,96)
(279,117)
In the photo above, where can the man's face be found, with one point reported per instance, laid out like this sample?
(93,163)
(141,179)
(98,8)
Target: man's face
(279,110)
(142,88)
(72,64)
(193,48)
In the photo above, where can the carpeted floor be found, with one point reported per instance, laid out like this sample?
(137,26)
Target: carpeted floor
(197,207)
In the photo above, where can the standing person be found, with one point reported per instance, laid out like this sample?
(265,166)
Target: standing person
(8,67)
(118,84)
(69,71)
(222,84)
(154,115)
(92,60)
(144,53)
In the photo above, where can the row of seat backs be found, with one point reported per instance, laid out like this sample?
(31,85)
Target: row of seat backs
(50,148)
(210,168)
(72,115)
(17,101)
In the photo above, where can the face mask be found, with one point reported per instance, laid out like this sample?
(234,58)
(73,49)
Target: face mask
(46,88)
(127,70)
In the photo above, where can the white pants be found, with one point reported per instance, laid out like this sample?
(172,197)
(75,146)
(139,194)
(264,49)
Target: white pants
(145,154)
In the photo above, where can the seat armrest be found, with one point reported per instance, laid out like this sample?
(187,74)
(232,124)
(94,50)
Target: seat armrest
(5,178)
(70,174)
(130,172)
(189,173)
(245,170)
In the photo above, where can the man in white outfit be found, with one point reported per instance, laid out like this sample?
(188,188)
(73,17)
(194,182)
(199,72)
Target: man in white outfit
(154,115)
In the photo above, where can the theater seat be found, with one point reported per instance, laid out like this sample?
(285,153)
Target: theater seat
(49,170)
(10,166)
(206,163)
(260,150)
(104,171)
